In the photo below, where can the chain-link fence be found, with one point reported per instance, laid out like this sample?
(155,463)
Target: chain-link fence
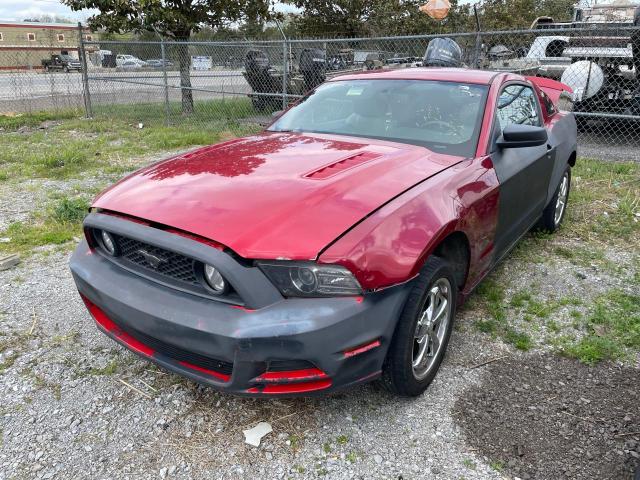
(40,68)
(200,82)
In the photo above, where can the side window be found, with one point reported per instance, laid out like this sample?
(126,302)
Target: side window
(517,104)
(548,104)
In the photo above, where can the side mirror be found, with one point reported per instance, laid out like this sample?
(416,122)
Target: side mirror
(277,114)
(519,136)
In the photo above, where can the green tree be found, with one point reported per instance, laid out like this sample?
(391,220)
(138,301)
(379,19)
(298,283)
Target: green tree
(354,18)
(173,19)
(509,14)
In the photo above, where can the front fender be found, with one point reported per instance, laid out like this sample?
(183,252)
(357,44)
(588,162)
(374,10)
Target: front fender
(391,245)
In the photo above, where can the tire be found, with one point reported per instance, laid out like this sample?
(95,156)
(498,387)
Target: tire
(400,376)
(66,69)
(552,217)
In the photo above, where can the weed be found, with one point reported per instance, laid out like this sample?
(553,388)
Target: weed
(520,340)
(8,361)
(110,369)
(342,439)
(70,210)
(469,463)
(612,329)
(294,441)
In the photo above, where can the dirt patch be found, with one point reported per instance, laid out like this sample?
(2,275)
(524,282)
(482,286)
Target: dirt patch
(547,417)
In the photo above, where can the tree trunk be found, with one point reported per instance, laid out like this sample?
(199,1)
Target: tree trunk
(185,75)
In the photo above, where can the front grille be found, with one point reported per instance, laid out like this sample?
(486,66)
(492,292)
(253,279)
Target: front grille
(172,265)
(167,267)
(180,355)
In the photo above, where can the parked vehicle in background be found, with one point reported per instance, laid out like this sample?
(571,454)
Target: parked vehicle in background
(404,62)
(62,63)
(130,65)
(334,247)
(130,59)
(159,63)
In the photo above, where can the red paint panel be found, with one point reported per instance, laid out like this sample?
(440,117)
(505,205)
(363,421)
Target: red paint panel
(206,371)
(292,387)
(251,194)
(196,238)
(390,246)
(108,326)
(291,376)
(129,218)
(361,349)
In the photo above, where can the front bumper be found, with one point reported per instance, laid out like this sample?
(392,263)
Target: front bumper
(232,348)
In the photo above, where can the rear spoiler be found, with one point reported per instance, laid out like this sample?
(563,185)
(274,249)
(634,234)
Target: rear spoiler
(549,86)
(560,93)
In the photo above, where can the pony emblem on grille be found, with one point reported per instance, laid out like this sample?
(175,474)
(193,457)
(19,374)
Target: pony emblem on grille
(153,260)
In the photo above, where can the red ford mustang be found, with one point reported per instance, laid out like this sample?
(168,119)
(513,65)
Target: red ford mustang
(332,248)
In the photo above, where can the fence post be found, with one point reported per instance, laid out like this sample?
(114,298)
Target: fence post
(166,81)
(86,95)
(285,72)
(478,45)
(285,65)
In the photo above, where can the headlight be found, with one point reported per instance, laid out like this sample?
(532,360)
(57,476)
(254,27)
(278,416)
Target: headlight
(214,279)
(108,242)
(305,279)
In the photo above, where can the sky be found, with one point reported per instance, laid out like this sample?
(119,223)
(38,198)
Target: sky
(21,9)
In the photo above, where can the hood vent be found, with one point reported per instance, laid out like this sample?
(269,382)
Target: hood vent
(341,165)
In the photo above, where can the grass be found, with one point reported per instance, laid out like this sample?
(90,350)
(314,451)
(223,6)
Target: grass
(57,224)
(603,202)
(108,143)
(611,329)
(603,214)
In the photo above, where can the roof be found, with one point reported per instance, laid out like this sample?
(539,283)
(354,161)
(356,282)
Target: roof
(466,75)
(14,24)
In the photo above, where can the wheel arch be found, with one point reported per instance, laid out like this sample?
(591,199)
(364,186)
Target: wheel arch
(455,249)
(572,159)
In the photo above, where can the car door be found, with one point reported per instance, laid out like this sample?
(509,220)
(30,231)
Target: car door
(524,172)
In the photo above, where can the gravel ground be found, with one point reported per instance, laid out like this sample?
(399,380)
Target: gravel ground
(621,151)
(590,432)
(73,404)
(67,413)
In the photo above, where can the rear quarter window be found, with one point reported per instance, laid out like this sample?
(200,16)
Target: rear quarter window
(547,104)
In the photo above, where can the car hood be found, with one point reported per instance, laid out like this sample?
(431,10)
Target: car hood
(274,195)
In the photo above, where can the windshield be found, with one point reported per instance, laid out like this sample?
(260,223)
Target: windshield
(68,58)
(442,116)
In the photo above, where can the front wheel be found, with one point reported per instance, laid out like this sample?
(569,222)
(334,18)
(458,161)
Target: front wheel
(554,212)
(423,331)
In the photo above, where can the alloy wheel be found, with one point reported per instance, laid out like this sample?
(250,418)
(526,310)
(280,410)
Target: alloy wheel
(431,328)
(561,201)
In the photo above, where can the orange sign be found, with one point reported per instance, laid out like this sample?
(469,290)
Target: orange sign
(436,9)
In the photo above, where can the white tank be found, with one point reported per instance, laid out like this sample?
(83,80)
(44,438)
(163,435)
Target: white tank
(585,78)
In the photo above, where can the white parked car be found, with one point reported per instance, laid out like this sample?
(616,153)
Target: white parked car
(129,60)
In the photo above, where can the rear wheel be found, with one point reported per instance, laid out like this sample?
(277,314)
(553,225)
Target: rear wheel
(554,212)
(423,331)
